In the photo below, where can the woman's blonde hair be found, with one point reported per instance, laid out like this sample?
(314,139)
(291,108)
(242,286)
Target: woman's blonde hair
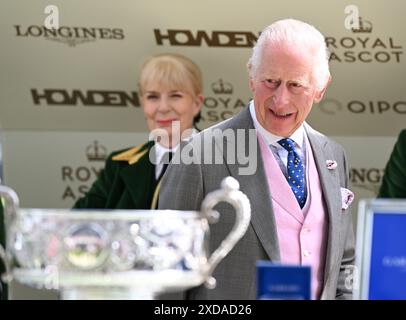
(173,71)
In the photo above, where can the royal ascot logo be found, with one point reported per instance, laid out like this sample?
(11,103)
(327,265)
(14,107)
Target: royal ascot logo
(362,46)
(221,87)
(331,106)
(96,152)
(216,38)
(369,179)
(364,26)
(102,98)
(78,179)
(221,105)
(70,36)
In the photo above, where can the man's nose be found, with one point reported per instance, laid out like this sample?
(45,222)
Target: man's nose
(281,95)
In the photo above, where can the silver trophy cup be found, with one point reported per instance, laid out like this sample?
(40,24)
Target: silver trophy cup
(117,254)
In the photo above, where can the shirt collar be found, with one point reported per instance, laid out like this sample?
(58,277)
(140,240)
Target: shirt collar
(160,150)
(271,139)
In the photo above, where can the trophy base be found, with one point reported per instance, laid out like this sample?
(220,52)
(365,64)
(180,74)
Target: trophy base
(105,293)
(130,285)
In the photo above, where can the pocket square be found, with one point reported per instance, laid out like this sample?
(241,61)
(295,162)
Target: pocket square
(347,196)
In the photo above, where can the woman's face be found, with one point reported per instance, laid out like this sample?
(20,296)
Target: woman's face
(170,110)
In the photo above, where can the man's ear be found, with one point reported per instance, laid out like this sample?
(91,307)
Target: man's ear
(320,94)
(250,76)
(251,84)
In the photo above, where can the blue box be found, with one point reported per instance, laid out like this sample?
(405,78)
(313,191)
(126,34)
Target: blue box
(381,250)
(283,282)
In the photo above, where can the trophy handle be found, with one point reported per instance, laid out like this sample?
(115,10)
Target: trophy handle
(10,204)
(230,193)
(6,276)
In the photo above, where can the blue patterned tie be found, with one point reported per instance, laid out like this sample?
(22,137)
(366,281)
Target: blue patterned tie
(295,171)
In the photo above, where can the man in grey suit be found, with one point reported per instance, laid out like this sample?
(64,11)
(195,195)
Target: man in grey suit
(295,177)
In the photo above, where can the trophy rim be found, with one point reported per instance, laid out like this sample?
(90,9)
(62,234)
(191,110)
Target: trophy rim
(108,214)
(154,280)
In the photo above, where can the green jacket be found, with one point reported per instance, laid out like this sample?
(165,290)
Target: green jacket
(394,180)
(126,182)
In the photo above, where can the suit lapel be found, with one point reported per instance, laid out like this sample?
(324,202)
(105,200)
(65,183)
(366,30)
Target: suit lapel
(255,186)
(331,192)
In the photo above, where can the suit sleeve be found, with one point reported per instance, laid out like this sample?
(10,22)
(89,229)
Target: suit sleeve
(182,188)
(394,180)
(346,272)
(97,196)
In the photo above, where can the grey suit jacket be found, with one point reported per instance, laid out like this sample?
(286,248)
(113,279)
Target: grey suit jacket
(185,186)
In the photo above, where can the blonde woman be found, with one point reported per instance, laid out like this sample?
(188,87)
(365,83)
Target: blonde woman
(171,92)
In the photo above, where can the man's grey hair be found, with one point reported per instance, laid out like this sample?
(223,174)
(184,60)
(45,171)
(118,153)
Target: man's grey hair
(297,33)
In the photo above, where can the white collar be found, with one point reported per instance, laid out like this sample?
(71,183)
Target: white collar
(160,150)
(272,139)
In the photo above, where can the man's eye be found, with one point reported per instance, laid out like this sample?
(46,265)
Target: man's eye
(270,83)
(176,95)
(152,97)
(297,87)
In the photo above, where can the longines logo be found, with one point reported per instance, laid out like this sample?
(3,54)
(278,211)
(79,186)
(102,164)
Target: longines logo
(362,47)
(184,37)
(105,98)
(369,179)
(222,104)
(71,36)
(333,106)
(78,179)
